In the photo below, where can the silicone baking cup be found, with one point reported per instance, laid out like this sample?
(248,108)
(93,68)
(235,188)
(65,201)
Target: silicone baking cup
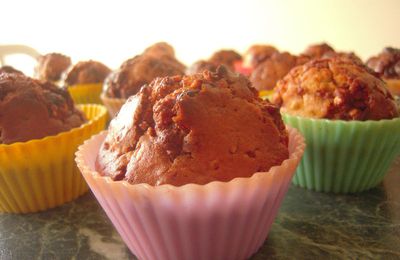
(113,105)
(345,156)
(219,220)
(40,174)
(86,93)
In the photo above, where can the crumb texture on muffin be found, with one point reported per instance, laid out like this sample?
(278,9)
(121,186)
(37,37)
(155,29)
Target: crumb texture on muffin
(86,72)
(334,89)
(193,129)
(387,63)
(32,109)
(51,66)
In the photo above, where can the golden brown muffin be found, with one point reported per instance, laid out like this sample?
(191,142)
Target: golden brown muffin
(193,129)
(138,71)
(9,69)
(32,109)
(200,66)
(51,66)
(226,57)
(257,54)
(160,49)
(86,72)
(316,51)
(266,75)
(334,89)
(386,64)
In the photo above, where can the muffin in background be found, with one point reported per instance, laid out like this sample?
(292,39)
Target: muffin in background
(257,54)
(34,109)
(201,66)
(160,49)
(316,51)
(228,58)
(84,81)
(51,66)
(387,65)
(347,116)
(40,130)
(208,129)
(9,69)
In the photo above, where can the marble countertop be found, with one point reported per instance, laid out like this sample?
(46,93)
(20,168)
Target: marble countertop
(309,225)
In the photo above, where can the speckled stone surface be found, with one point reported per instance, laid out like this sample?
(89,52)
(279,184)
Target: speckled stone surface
(309,225)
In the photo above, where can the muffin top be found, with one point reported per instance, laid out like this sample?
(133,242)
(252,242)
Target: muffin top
(86,72)
(334,89)
(257,54)
(160,49)
(51,66)
(193,129)
(266,75)
(138,71)
(343,55)
(200,66)
(226,57)
(32,109)
(387,63)
(9,69)
(316,51)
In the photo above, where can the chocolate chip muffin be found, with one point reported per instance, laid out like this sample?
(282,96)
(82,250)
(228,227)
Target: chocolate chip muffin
(316,51)
(138,71)
(387,63)
(32,109)
(9,69)
(257,54)
(334,89)
(226,57)
(86,72)
(200,66)
(193,129)
(51,66)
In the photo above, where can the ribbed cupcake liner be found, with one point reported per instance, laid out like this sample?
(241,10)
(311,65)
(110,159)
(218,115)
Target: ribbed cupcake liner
(41,174)
(113,105)
(86,93)
(219,220)
(345,156)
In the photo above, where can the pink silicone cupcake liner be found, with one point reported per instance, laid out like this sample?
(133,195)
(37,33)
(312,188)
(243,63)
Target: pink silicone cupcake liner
(219,220)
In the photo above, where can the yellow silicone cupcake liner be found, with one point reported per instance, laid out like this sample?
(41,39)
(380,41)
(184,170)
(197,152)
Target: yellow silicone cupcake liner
(265,94)
(86,93)
(40,174)
(393,86)
(113,105)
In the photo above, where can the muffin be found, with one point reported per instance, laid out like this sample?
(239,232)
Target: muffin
(193,153)
(346,115)
(257,54)
(316,51)
(9,69)
(200,66)
(160,49)
(51,66)
(132,75)
(228,58)
(40,129)
(186,122)
(84,81)
(343,55)
(387,65)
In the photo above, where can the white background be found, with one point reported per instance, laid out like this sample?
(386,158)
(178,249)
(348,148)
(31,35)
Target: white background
(112,31)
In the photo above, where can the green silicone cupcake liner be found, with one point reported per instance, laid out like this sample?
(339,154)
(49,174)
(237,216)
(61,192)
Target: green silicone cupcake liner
(345,156)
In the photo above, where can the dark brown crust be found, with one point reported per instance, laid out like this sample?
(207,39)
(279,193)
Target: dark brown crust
(200,66)
(86,72)
(51,66)
(334,89)
(387,63)
(257,54)
(9,69)
(160,49)
(316,51)
(193,129)
(226,57)
(31,109)
(138,71)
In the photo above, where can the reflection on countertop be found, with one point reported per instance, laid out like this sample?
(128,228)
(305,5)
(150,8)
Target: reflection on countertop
(309,225)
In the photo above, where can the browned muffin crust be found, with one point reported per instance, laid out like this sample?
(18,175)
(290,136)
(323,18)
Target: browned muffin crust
(9,69)
(316,51)
(160,49)
(226,57)
(32,109)
(138,71)
(387,63)
(51,66)
(266,75)
(193,129)
(86,72)
(334,89)
(343,55)
(257,54)
(200,66)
